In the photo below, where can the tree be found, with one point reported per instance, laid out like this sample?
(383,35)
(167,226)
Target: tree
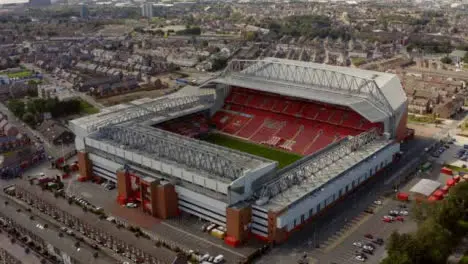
(17,107)
(250,35)
(397,259)
(29,119)
(446,60)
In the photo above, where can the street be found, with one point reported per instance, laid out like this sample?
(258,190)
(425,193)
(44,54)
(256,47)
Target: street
(84,254)
(17,251)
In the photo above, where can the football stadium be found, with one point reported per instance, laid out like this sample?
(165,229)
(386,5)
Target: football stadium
(261,149)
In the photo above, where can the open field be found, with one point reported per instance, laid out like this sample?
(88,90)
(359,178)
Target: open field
(283,158)
(21,74)
(429,119)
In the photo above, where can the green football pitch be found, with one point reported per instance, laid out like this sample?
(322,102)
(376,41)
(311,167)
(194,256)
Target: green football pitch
(284,158)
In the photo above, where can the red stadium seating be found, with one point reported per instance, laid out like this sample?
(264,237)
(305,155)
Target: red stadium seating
(294,125)
(190,126)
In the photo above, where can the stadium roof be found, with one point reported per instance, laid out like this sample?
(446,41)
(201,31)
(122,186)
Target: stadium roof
(309,179)
(374,95)
(128,127)
(166,106)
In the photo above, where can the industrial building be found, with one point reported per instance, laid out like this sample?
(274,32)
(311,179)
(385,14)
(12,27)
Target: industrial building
(345,124)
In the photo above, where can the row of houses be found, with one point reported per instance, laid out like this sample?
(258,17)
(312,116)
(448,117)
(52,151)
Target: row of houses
(443,98)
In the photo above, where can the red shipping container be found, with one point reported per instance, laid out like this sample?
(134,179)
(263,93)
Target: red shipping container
(438,194)
(445,189)
(450,182)
(402,196)
(432,199)
(446,170)
(456,178)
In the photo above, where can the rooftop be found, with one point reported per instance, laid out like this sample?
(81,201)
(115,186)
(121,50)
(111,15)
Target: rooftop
(425,187)
(314,178)
(375,95)
(211,160)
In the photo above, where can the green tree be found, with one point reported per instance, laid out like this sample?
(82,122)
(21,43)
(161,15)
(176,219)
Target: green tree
(17,107)
(397,259)
(250,35)
(29,119)
(446,60)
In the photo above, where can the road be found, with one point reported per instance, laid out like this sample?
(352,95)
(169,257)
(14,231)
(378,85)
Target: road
(83,254)
(17,251)
(31,133)
(93,220)
(185,230)
(452,74)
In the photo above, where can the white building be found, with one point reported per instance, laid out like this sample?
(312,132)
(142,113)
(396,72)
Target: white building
(147,10)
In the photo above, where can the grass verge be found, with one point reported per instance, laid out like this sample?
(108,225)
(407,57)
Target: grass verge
(87,108)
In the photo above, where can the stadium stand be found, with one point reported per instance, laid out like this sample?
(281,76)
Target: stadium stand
(190,126)
(271,119)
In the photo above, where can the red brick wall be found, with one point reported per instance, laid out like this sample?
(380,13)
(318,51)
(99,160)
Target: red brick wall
(237,220)
(123,184)
(84,165)
(401,129)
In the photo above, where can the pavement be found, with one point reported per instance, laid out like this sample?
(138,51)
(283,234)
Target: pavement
(17,251)
(184,230)
(83,254)
(93,220)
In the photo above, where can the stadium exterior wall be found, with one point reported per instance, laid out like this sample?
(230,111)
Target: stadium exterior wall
(335,189)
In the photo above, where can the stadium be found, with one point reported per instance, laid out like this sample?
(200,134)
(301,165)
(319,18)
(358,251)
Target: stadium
(260,149)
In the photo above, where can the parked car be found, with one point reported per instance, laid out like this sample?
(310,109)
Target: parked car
(369,246)
(400,218)
(218,259)
(378,202)
(361,257)
(369,236)
(378,241)
(388,219)
(404,212)
(357,244)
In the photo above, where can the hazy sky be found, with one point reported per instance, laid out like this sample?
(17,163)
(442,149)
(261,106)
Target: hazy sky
(12,1)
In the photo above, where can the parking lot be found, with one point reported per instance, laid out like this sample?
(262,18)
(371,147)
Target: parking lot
(451,153)
(345,251)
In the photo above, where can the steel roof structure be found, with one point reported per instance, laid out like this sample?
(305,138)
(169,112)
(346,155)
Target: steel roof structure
(374,95)
(294,184)
(153,142)
(140,109)
(297,174)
